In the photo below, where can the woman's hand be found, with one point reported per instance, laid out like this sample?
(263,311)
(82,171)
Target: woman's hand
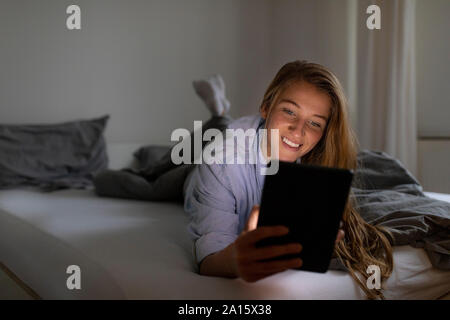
(248,260)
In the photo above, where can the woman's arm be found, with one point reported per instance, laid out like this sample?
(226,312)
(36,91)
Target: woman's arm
(243,259)
(219,264)
(211,205)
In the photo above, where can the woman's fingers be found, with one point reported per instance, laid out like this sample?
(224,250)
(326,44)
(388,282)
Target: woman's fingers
(254,263)
(260,270)
(340,235)
(252,221)
(274,251)
(252,237)
(280,265)
(251,261)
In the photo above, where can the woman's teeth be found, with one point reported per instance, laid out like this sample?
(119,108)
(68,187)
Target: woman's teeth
(290,143)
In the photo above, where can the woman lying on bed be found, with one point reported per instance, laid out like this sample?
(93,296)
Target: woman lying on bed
(306,103)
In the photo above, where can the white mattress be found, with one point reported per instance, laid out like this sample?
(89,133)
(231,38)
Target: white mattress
(141,250)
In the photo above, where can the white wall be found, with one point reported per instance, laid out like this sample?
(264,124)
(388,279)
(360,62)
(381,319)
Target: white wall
(433,100)
(134,60)
(312,30)
(433,161)
(433,67)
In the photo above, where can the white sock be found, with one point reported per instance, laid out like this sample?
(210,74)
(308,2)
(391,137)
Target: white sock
(212,92)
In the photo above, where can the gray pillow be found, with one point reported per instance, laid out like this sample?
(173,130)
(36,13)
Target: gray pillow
(52,156)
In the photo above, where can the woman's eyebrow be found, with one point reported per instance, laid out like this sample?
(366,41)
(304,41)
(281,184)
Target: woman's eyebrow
(298,106)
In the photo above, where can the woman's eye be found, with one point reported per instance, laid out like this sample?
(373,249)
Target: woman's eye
(315,124)
(289,112)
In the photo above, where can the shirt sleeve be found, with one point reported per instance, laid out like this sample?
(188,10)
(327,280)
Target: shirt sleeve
(211,206)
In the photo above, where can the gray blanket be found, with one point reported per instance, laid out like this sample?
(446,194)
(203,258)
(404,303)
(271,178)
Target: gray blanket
(385,193)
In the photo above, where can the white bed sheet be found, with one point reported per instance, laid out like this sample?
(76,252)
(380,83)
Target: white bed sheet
(141,250)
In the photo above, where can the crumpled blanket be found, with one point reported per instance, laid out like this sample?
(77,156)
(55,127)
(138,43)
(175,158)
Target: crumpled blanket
(387,194)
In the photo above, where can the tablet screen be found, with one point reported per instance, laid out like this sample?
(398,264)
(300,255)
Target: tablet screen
(310,201)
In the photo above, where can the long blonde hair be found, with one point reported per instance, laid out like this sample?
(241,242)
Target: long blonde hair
(363,244)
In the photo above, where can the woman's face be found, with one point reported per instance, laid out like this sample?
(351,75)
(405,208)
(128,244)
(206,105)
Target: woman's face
(301,116)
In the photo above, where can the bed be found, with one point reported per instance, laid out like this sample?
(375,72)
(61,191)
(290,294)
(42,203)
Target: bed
(141,250)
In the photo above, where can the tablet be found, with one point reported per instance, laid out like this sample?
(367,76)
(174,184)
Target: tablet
(310,201)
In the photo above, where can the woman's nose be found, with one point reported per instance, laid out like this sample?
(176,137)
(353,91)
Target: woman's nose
(298,128)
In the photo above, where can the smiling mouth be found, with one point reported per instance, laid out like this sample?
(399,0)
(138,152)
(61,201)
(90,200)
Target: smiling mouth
(290,144)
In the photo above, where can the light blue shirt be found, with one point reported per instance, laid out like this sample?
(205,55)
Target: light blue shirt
(219,197)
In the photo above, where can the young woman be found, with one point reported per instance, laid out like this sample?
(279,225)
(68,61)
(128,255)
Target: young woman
(306,103)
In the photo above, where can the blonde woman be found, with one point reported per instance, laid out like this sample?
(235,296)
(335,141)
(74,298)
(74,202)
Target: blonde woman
(306,103)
